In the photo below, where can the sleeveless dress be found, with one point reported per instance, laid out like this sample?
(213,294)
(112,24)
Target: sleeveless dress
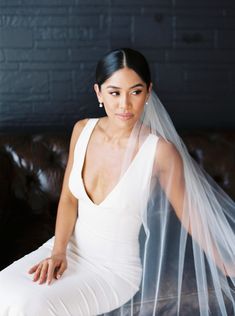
(104,265)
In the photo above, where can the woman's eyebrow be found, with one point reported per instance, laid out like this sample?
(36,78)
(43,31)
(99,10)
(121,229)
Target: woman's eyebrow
(136,85)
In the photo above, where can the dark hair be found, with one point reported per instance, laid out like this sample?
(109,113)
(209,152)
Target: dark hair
(120,58)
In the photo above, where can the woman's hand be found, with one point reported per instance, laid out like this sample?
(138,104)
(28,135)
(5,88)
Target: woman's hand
(49,268)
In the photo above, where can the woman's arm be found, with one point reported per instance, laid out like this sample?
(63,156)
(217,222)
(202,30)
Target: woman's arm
(68,204)
(65,221)
(170,171)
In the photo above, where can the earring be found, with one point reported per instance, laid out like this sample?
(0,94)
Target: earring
(100,105)
(146,103)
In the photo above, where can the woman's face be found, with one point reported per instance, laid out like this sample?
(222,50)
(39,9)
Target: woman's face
(124,95)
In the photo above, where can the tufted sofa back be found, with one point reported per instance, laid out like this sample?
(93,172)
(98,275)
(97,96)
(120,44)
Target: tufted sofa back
(31,175)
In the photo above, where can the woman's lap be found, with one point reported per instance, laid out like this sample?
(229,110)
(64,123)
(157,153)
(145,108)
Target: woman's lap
(81,290)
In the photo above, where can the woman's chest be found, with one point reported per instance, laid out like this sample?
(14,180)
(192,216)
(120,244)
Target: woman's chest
(101,171)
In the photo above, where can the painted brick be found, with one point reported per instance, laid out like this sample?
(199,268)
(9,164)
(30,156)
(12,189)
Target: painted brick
(23,82)
(51,33)
(83,10)
(88,53)
(153,55)
(154,3)
(48,66)
(1,55)
(49,3)
(92,2)
(169,77)
(74,43)
(80,33)
(22,98)
(193,39)
(89,20)
(126,10)
(62,108)
(158,11)
(46,55)
(9,66)
(204,75)
(205,22)
(188,12)
(84,81)
(200,55)
(32,21)
(16,38)
(44,107)
(225,39)
(200,87)
(49,49)
(122,29)
(28,11)
(121,42)
(61,75)
(61,90)
(148,31)
(3,106)
(6,110)
(10,2)
(203,3)
(122,33)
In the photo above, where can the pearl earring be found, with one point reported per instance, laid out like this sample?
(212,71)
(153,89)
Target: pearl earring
(146,102)
(100,105)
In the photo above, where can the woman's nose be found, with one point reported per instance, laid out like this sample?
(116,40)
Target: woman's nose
(124,102)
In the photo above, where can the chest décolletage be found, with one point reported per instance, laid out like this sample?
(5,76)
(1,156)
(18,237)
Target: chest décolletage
(101,170)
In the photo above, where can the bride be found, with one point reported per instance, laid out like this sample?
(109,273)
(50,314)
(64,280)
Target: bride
(128,175)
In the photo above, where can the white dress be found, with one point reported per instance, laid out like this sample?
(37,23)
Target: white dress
(104,266)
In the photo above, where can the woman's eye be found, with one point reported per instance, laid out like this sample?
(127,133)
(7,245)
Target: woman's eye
(114,93)
(137,92)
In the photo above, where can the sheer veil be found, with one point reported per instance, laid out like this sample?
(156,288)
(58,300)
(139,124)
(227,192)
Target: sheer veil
(187,240)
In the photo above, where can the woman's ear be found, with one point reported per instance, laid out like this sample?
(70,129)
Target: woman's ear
(150,87)
(98,93)
(149,90)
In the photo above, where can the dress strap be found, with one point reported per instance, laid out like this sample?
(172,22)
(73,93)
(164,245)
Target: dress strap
(88,128)
(84,137)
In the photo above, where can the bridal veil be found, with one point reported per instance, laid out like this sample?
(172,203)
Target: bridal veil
(188,220)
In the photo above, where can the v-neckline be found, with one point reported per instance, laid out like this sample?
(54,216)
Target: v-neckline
(120,179)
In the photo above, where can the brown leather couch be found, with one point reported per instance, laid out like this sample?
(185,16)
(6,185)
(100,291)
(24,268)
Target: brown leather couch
(31,174)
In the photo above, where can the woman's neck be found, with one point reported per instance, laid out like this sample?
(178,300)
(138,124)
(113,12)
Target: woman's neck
(113,133)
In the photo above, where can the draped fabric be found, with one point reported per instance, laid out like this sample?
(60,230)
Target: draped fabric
(187,239)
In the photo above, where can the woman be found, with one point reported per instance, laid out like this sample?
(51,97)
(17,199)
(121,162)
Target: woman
(126,171)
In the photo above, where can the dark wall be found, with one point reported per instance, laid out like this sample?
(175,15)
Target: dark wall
(49,48)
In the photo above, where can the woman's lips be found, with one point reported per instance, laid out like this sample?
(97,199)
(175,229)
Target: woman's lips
(125,116)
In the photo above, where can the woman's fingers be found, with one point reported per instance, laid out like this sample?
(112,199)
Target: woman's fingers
(49,268)
(37,272)
(43,273)
(56,271)
(50,272)
(61,270)
(33,269)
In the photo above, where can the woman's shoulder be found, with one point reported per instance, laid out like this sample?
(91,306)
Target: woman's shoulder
(166,146)
(77,129)
(166,153)
(79,125)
